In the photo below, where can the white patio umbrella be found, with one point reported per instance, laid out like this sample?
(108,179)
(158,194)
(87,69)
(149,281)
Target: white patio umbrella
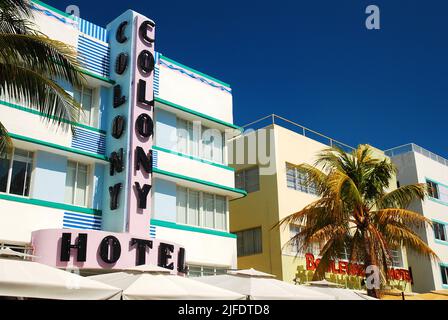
(256,285)
(323,283)
(341,293)
(154,283)
(22,278)
(337,290)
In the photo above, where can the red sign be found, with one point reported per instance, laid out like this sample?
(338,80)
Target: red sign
(354,269)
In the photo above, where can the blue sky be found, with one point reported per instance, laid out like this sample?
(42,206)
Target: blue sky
(313,62)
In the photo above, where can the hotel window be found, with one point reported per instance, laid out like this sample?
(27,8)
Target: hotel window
(439,231)
(201,209)
(77,184)
(397,260)
(248,179)
(296,178)
(444,271)
(15,172)
(295,245)
(437,191)
(249,242)
(199,141)
(199,271)
(432,189)
(85,97)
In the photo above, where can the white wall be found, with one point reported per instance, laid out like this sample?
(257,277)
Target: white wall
(201,248)
(194,169)
(415,168)
(195,95)
(18,220)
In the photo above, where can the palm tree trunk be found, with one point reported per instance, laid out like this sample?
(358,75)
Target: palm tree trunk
(370,260)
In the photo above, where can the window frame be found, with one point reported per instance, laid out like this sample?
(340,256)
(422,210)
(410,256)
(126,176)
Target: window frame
(201,211)
(433,188)
(240,235)
(444,270)
(93,107)
(196,142)
(88,183)
(200,270)
(297,181)
(437,232)
(31,156)
(244,173)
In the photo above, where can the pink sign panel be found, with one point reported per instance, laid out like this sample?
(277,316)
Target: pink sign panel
(93,249)
(142,126)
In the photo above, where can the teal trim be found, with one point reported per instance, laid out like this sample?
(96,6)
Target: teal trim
(426,178)
(438,201)
(58,147)
(62,13)
(93,75)
(196,113)
(193,158)
(438,221)
(446,230)
(49,204)
(445,243)
(173,225)
(34,111)
(193,70)
(441,264)
(203,182)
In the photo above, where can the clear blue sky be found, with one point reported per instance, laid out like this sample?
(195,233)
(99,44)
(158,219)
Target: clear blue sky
(313,62)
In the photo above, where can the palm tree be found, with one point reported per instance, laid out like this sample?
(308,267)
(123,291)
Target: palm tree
(356,213)
(30,66)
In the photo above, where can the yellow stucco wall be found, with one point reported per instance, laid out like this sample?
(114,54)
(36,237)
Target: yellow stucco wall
(275,201)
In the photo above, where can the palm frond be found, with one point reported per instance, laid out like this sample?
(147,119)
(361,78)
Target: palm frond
(403,196)
(15,17)
(50,58)
(403,216)
(46,95)
(314,176)
(5,140)
(400,234)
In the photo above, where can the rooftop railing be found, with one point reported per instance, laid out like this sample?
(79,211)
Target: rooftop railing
(411,147)
(297,128)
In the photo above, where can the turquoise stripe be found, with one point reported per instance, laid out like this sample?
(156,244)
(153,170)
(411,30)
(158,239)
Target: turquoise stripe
(173,225)
(203,182)
(196,113)
(193,158)
(49,204)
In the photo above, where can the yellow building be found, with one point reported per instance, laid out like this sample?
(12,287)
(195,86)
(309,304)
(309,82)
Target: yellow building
(265,161)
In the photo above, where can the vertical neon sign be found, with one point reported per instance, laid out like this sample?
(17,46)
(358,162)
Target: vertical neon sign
(142,126)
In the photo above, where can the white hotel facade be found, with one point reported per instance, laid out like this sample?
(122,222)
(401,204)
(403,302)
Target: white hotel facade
(56,182)
(418,165)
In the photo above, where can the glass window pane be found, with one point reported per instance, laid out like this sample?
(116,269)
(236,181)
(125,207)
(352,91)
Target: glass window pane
(181,199)
(86,105)
(81,185)
(217,146)
(239,180)
(4,170)
(444,271)
(208,208)
(252,180)
(70,182)
(19,172)
(182,135)
(221,217)
(194,129)
(194,271)
(193,207)
(207,143)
